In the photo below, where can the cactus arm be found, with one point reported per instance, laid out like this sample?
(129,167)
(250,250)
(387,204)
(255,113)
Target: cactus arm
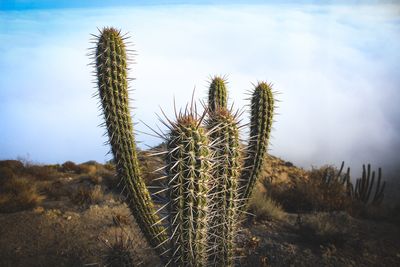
(371,183)
(378,197)
(217,94)
(111,71)
(262,110)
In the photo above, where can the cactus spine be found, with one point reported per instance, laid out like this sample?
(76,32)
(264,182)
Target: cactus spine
(188,170)
(262,111)
(112,82)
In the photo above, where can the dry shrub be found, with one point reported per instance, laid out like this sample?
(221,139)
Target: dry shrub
(87,169)
(88,195)
(54,190)
(45,172)
(148,165)
(6,173)
(110,179)
(312,194)
(109,166)
(121,219)
(18,194)
(264,208)
(14,165)
(120,252)
(69,167)
(325,228)
(91,178)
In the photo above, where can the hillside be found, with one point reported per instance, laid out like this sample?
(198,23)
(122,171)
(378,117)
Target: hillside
(73,215)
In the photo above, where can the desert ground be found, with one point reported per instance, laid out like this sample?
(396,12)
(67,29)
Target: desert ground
(74,215)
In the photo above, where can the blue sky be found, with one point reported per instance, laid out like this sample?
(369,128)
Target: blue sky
(336,66)
(51,4)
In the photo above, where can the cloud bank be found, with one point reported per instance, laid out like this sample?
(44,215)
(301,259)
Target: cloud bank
(337,69)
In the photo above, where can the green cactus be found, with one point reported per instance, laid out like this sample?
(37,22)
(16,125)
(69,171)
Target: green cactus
(202,177)
(112,81)
(217,94)
(262,111)
(224,133)
(188,169)
(363,188)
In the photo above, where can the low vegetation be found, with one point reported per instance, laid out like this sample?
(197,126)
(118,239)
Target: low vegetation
(313,193)
(265,208)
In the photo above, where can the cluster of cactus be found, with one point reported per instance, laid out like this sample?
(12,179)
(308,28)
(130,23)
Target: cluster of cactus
(363,188)
(208,179)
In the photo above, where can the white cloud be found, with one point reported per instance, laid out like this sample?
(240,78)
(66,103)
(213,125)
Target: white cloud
(337,68)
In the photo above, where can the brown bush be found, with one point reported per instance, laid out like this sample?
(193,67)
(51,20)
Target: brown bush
(18,194)
(312,194)
(69,167)
(14,165)
(6,173)
(86,169)
(109,166)
(45,172)
(264,208)
(88,195)
(54,190)
(121,219)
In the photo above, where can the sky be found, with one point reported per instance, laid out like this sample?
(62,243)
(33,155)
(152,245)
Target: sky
(336,67)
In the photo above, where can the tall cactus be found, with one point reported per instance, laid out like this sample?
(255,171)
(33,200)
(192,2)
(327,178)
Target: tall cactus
(111,70)
(224,133)
(188,169)
(203,166)
(262,111)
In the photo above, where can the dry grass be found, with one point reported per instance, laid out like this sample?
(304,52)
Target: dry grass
(18,194)
(44,172)
(121,219)
(264,208)
(88,195)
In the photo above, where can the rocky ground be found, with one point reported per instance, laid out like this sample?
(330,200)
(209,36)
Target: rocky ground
(82,221)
